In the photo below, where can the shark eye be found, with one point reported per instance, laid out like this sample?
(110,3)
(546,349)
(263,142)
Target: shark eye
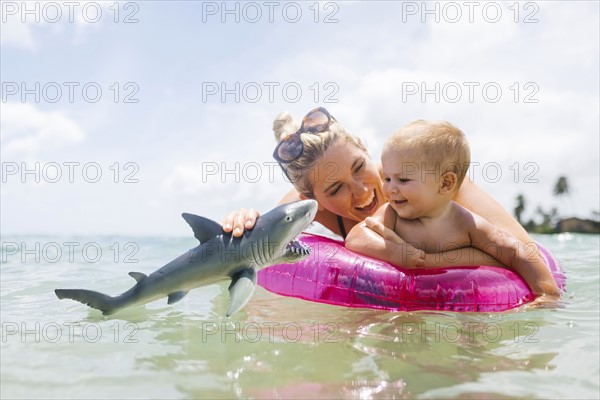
(288,218)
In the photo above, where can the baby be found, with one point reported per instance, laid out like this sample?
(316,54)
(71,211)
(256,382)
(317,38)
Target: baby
(424,164)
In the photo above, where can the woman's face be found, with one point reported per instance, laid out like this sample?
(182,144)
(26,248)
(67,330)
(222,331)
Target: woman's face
(346,182)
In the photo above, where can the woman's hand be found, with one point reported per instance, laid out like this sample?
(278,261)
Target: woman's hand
(237,221)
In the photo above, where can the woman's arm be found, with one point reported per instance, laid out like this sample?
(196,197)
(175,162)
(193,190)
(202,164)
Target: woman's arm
(290,196)
(476,200)
(523,259)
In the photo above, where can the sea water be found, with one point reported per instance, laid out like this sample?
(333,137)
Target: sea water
(278,347)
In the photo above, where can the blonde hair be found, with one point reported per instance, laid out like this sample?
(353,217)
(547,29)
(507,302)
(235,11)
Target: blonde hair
(315,145)
(439,142)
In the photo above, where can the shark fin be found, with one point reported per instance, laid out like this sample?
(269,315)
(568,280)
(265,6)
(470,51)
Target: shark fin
(138,276)
(176,296)
(203,228)
(242,286)
(100,301)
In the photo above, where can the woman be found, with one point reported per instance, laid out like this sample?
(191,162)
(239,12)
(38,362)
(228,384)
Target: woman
(326,163)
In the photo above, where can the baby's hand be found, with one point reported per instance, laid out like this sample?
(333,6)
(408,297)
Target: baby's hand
(383,231)
(410,256)
(239,220)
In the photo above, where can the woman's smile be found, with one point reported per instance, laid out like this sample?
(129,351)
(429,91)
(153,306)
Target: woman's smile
(368,205)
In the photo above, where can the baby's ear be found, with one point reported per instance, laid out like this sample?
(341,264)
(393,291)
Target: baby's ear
(448,183)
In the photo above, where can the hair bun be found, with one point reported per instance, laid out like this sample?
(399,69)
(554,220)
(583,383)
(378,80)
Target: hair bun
(284,125)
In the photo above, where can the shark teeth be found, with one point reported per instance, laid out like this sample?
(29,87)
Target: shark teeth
(297,247)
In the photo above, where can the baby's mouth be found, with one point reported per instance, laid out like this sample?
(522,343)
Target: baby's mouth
(369,205)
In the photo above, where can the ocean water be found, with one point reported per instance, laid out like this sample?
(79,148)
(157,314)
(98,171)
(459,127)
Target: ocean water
(278,347)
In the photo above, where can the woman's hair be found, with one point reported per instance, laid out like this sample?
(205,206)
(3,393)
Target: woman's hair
(315,145)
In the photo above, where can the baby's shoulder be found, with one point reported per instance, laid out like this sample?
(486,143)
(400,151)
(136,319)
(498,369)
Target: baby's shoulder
(460,216)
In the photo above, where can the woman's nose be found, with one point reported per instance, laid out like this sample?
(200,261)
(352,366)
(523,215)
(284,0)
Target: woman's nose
(359,188)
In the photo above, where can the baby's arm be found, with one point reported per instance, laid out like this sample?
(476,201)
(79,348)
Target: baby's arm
(513,253)
(460,257)
(387,247)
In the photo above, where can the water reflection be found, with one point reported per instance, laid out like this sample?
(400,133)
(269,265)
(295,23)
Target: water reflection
(290,348)
(439,350)
(325,351)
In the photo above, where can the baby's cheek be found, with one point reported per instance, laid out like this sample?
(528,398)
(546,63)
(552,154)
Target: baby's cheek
(386,188)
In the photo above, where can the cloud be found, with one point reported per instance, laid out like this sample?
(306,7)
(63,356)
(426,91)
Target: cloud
(202,156)
(236,181)
(17,34)
(23,22)
(28,131)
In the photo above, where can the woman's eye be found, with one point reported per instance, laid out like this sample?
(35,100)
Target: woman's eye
(336,190)
(360,167)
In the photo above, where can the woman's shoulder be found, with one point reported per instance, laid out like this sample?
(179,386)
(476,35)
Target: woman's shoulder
(476,200)
(331,221)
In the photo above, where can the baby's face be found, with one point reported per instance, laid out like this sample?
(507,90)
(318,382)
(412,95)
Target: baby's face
(411,183)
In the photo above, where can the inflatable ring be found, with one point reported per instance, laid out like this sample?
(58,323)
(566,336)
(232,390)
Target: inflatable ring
(334,275)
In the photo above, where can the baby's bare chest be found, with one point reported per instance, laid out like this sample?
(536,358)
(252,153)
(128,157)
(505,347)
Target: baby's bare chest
(434,238)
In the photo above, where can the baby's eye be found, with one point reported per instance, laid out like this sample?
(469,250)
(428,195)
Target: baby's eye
(386,179)
(402,180)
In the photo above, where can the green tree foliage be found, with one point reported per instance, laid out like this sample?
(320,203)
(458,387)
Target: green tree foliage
(520,207)
(561,187)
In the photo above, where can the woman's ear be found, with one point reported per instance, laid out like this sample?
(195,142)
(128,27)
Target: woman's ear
(448,183)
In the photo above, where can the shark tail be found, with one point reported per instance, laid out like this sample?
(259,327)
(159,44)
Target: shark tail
(107,304)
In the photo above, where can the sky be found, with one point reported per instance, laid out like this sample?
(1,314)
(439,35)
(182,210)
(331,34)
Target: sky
(116,117)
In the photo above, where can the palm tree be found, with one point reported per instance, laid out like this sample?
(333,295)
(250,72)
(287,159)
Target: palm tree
(561,187)
(549,219)
(518,210)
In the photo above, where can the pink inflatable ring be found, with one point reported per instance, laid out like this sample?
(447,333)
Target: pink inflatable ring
(334,275)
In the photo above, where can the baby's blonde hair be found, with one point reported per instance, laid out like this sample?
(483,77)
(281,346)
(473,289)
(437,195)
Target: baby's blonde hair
(440,142)
(315,145)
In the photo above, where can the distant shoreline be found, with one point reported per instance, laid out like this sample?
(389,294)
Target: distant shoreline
(571,224)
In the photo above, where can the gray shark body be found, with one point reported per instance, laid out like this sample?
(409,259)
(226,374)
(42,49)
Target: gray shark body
(220,256)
